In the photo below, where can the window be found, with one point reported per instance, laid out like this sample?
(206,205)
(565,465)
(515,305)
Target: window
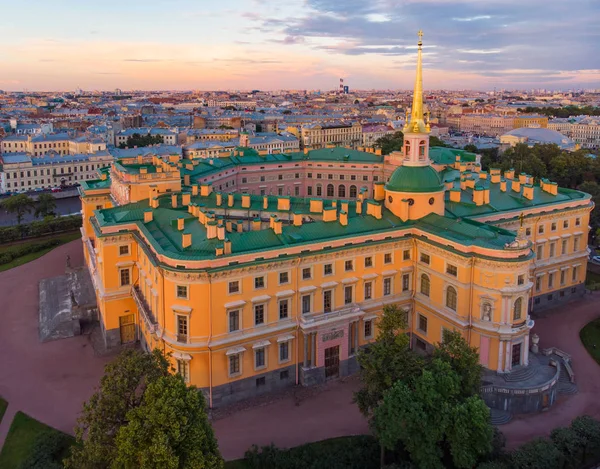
(425,285)
(527,231)
(550,280)
(306,273)
(259,358)
(124,250)
(327,301)
(368,290)
(349,265)
(369,329)
(368,261)
(234,365)
(387,258)
(552,249)
(553,226)
(259,314)
(182,328)
(537,301)
(183,368)
(576,243)
(578,222)
(306,304)
(330,191)
(563,277)
(538,284)
(575,272)
(405,282)
(327,269)
(261,381)
(387,286)
(406,254)
(518,306)
(234,287)
(451,298)
(425,259)
(234,320)
(125,277)
(520,280)
(284,351)
(285,374)
(283,309)
(541,229)
(348,294)
(565,224)
(422,324)
(451,270)
(309,190)
(284,277)
(540,251)
(244,180)
(182,291)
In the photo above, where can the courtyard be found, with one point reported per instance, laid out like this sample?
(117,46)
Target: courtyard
(51,381)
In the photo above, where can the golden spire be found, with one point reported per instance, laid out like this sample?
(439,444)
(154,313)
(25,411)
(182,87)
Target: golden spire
(417,121)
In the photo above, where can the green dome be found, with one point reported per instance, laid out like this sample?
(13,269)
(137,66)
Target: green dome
(415,179)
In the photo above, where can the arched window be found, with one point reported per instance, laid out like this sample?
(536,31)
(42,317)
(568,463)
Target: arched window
(425,285)
(406,148)
(330,190)
(353,191)
(517,309)
(422,150)
(451,298)
(342,191)
(319,190)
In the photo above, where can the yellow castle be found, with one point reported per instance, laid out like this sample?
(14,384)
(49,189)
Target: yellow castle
(255,276)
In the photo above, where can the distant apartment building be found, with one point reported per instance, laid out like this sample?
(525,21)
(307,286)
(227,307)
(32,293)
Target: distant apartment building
(535,121)
(583,130)
(21,172)
(215,121)
(221,135)
(230,103)
(169,136)
(264,143)
(494,124)
(372,133)
(131,121)
(60,144)
(320,135)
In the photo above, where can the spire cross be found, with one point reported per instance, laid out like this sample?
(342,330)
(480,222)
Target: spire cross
(420,34)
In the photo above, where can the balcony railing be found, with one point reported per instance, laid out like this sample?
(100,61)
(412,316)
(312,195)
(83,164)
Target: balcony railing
(91,253)
(310,319)
(144,309)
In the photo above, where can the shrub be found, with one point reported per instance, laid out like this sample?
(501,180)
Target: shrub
(47,452)
(9,254)
(537,454)
(39,228)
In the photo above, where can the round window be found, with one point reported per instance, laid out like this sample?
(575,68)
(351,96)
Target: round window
(431,201)
(411,201)
(390,199)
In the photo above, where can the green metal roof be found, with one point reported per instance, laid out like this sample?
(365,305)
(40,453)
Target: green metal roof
(447,156)
(414,179)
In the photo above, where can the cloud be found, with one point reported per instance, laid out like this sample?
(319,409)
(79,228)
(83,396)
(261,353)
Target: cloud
(145,60)
(474,18)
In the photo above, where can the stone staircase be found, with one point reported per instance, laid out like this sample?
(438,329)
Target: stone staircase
(499,417)
(565,386)
(520,373)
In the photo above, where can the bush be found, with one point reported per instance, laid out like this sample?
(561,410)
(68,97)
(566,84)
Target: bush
(48,451)
(14,252)
(358,452)
(39,228)
(537,454)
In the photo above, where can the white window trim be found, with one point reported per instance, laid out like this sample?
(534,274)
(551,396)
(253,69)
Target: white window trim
(289,280)
(187,292)
(127,285)
(128,250)
(289,309)
(391,279)
(365,263)
(264,287)
(368,282)
(302,273)
(241,361)
(279,343)
(240,316)
(239,282)
(391,253)
(353,299)
(255,349)
(265,315)
(421,331)
(187,318)
(446,286)
(365,336)
(332,269)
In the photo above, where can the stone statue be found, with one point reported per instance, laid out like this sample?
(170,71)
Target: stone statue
(535,340)
(487,312)
(68,261)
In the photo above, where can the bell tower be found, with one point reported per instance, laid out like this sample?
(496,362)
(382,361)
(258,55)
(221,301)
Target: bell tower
(416,129)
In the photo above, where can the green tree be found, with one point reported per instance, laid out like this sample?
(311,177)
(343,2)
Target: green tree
(592,188)
(386,360)
(472,148)
(137,140)
(45,206)
(391,142)
(19,204)
(588,429)
(428,416)
(463,359)
(121,390)
(570,444)
(537,454)
(436,142)
(169,429)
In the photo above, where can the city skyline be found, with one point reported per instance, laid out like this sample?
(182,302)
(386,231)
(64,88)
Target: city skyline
(268,45)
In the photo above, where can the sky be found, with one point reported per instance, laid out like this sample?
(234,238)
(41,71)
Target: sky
(299,44)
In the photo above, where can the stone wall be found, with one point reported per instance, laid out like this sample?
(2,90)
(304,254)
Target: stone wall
(558,297)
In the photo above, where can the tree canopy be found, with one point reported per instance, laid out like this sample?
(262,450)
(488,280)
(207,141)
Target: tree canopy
(19,204)
(45,205)
(137,140)
(391,142)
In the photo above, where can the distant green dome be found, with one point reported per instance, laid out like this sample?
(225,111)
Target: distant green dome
(415,179)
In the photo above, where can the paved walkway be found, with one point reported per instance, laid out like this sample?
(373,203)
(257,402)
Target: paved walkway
(51,381)
(48,381)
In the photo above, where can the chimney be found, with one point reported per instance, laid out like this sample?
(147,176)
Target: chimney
(509,174)
(277,226)
(470,182)
(455,195)
(154,202)
(478,196)
(528,191)
(230,200)
(226,246)
(483,175)
(306,151)
(185,199)
(344,205)
(211,229)
(359,207)
(239,226)
(148,216)
(256,224)
(503,185)
(219,199)
(316,205)
(379,191)
(205,190)
(265,202)
(516,185)
(195,189)
(186,240)
(486,196)
(329,214)
(495,175)
(283,203)
(246,200)
(221,232)
(523,178)
(374,209)
(343,218)
(463,183)
(334,203)
(297,219)
(186,179)
(174,201)
(180,224)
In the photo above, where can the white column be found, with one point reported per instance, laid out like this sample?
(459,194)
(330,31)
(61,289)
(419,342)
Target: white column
(313,350)
(508,357)
(356,328)
(526,351)
(305,364)
(500,354)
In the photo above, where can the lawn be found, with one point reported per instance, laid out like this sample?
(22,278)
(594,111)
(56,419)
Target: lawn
(62,238)
(21,438)
(590,336)
(3,406)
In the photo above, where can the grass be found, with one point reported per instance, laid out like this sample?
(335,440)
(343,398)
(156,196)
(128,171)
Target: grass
(21,438)
(62,238)
(3,406)
(592,280)
(590,336)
